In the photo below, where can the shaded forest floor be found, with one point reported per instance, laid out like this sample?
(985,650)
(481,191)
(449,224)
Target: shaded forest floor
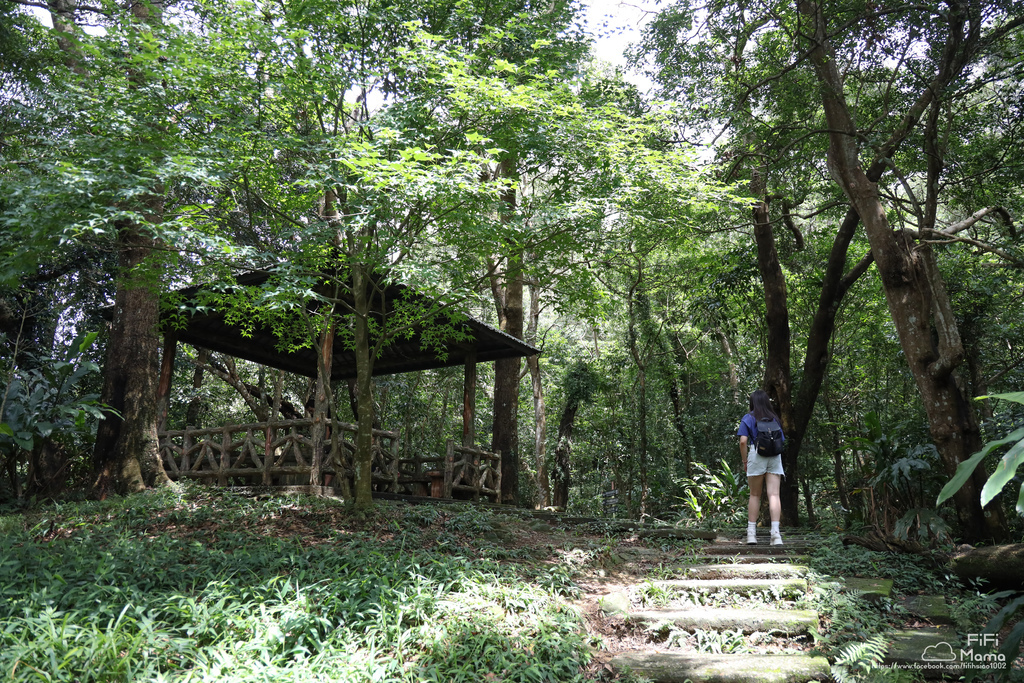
(204,585)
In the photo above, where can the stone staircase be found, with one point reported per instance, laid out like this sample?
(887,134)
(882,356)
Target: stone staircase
(754,591)
(776,637)
(736,589)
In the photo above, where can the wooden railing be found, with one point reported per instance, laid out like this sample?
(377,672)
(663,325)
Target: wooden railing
(462,472)
(281,453)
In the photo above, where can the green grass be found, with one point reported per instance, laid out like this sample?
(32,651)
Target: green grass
(204,586)
(911,574)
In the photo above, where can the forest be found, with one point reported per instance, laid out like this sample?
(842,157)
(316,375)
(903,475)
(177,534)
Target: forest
(819,199)
(370,235)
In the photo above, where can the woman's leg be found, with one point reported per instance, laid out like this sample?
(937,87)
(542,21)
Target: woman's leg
(756,485)
(774,502)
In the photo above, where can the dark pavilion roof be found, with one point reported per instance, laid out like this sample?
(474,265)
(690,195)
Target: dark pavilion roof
(210,330)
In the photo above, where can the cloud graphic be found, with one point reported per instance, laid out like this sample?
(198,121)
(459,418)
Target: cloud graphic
(940,652)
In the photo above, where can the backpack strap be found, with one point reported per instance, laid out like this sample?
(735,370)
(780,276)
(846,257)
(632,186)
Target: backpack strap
(753,429)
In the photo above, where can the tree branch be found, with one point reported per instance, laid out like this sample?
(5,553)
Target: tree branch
(977,216)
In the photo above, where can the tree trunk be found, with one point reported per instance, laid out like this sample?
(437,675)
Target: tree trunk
(639,360)
(540,418)
(12,474)
(363,458)
(47,466)
(730,358)
(322,400)
(505,422)
(508,298)
(1001,565)
(914,291)
(837,461)
(680,424)
(62,16)
(681,403)
(561,475)
(196,405)
(253,396)
(579,383)
(834,287)
(777,371)
(263,405)
(127,451)
(812,519)
(127,447)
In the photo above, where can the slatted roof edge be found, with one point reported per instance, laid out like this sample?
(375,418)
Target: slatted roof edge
(490,342)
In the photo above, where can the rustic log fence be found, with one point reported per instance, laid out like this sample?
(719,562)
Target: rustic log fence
(281,453)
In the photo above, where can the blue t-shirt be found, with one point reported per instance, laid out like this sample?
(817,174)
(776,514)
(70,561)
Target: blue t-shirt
(748,428)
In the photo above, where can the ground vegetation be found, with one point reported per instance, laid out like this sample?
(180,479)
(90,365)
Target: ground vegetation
(668,253)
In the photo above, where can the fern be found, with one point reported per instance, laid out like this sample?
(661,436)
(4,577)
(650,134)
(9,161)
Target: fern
(856,660)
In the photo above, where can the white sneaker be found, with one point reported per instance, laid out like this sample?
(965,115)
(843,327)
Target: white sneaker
(752,537)
(776,538)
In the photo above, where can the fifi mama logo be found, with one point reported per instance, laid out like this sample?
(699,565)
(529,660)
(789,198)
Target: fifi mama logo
(943,651)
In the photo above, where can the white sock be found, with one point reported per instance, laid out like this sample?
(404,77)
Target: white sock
(751,526)
(775,527)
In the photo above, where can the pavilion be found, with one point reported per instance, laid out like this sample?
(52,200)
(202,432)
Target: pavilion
(235,453)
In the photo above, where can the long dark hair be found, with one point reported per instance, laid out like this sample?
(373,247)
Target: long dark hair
(761,406)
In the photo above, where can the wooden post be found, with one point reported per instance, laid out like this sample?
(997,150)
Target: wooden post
(268,450)
(479,475)
(321,405)
(469,401)
(163,388)
(498,489)
(396,451)
(225,456)
(449,469)
(186,446)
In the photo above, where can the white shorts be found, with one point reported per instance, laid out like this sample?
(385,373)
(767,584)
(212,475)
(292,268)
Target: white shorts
(756,465)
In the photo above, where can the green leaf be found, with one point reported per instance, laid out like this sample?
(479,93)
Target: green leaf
(85,341)
(1016,396)
(1004,472)
(995,625)
(999,479)
(963,472)
(1011,643)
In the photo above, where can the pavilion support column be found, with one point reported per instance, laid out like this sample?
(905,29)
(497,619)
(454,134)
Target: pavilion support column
(469,402)
(163,387)
(321,406)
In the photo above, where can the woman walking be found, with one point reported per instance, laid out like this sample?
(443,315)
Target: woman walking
(760,470)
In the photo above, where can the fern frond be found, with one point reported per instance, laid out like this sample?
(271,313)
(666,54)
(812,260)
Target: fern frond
(855,660)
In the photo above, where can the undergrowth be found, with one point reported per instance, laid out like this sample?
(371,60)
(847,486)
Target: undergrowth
(910,574)
(196,585)
(855,633)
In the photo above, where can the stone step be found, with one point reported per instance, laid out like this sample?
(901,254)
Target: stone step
(763,540)
(871,590)
(778,559)
(763,534)
(679,534)
(928,652)
(790,588)
(731,547)
(744,571)
(930,607)
(619,602)
(744,619)
(641,529)
(670,667)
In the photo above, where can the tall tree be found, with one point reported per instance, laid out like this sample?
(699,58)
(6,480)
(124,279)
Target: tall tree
(748,51)
(913,285)
(120,179)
